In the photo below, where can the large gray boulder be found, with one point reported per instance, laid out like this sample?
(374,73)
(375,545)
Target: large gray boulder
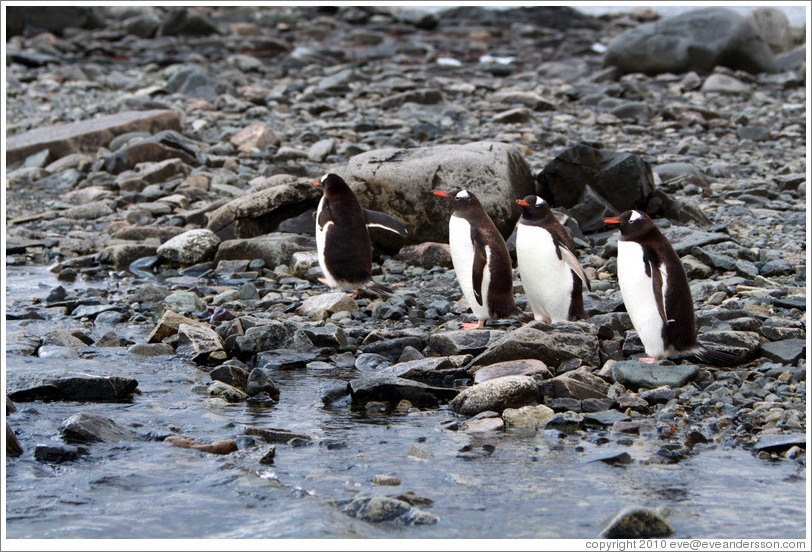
(697,40)
(275,249)
(399,182)
(261,211)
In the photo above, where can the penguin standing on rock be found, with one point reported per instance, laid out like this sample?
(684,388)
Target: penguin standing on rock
(655,290)
(342,239)
(551,274)
(481,259)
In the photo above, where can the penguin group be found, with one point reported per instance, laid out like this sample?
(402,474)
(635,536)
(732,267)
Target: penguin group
(653,283)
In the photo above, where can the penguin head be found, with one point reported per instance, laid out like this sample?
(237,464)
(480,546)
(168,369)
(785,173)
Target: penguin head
(632,224)
(461,199)
(331,183)
(534,207)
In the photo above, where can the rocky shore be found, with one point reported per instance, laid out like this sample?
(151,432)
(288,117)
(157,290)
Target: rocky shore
(160,162)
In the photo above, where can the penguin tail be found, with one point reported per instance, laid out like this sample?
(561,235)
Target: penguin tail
(379,288)
(713,356)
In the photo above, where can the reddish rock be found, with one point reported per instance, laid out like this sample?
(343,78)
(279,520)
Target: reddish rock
(227,446)
(88,135)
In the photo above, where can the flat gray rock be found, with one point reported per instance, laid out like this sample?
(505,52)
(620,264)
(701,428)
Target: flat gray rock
(635,374)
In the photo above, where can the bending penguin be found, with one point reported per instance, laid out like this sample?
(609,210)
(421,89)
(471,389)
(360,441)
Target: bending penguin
(551,274)
(342,239)
(481,259)
(655,290)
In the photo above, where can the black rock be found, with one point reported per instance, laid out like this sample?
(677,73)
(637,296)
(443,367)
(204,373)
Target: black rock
(58,453)
(89,428)
(79,388)
(635,523)
(260,381)
(282,359)
(393,390)
(592,184)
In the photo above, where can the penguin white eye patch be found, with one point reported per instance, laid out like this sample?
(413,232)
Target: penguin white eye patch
(635,216)
(462,194)
(322,179)
(539,202)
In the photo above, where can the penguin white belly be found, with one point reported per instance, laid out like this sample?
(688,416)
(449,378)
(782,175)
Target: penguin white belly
(462,256)
(638,295)
(547,280)
(321,239)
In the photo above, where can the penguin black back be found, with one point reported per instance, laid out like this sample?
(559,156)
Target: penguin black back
(347,248)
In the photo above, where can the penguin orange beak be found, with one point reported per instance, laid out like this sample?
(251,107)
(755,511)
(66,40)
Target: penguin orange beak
(317,184)
(612,221)
(439,193)
(522,202)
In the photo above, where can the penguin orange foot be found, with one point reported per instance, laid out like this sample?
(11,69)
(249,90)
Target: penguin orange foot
(473,325)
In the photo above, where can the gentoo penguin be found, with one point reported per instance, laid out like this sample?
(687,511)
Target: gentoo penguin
(481,259)
(342,239)
(551,274)
(655,290)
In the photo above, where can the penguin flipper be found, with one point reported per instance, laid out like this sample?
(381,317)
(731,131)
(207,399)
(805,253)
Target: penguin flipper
(572,262)
(377,219)
(657,283)
(479,265)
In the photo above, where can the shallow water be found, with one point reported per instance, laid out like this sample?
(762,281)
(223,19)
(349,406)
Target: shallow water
(534,485)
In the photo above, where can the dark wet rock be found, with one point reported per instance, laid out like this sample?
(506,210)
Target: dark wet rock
(87,135)
(476,452)
(260,381)
(426,254)
(331,335)
(786,351)
(779,442)
(232,374)
(274,435)
(593,404)
(197,342)
(13,448)
(463,342)
(282,359)
(673,45)
(393,390)
(591,184)
(78,388)
(264,337)
(262,211)
(497,395)
(566,420)
(58,453)
(522,367)
(192,247)
(637,522)
(635,374)
(399,182)
(326,304)
(550,344)
(609,456)
(379,509)
(274,249)
(392,348)
(110,339)
(86,427)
